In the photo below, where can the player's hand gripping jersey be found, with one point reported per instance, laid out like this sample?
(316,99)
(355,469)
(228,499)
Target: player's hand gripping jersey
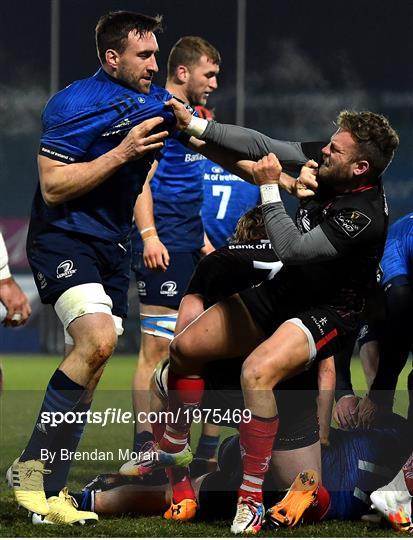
(85,120)
(331,253)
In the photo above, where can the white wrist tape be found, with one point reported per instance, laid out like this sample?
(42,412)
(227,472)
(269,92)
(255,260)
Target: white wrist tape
(196,126)
(147,229)
(270,193)
(4,259)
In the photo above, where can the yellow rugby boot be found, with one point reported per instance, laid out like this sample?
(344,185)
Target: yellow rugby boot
(26,479)
(63,511)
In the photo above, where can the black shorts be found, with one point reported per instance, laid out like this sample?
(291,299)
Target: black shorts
(370,331)
(62,259)
(328,329)
(165,288)
(296,400)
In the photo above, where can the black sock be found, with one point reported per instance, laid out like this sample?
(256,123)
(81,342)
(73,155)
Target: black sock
(207,446)
(140,439)
(62,395)
(67,438)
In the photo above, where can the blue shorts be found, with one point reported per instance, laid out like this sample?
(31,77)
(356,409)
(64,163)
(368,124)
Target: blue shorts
(62,259)
(165,288)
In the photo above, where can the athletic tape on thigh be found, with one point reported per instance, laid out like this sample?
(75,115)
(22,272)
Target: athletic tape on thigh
(159,325)
(81,300)
(311,344)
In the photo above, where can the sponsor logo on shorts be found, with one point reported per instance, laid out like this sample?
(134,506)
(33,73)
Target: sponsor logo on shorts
(42,280)
(320,323)
(168,288)
(141,288)
(363,332)
(141,99)
(65,269)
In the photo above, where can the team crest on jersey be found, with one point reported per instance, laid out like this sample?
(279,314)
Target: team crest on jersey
(169,288)
(352,222)
(42,280)
(65,269)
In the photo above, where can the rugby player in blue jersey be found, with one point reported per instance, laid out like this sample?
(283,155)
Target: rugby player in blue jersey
(98,142)
(396,340)
(394,499)
(168,217)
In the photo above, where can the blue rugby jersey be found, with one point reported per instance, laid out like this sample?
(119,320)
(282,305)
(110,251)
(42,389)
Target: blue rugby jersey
(397,258)
(177,191)
(226,198)
(359,462)
(80,123)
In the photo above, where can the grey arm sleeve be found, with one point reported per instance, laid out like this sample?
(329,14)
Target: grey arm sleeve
(289,244)
(250,144)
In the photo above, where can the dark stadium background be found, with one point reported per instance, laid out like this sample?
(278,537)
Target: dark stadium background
(304,62)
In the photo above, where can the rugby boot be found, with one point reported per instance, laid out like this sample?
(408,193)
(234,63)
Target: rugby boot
(26,479)
(182,511)
(249,517)
(155,459)
(301,495)
(63,511)
(104,482)
(395,507)
(144,464)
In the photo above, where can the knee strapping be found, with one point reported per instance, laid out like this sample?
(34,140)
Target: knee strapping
(82,300)
(159,325)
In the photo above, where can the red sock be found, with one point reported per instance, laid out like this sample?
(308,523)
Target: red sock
(180,483)
(320,507)
(256,441)
(184,395)
(158,429)
(408,474)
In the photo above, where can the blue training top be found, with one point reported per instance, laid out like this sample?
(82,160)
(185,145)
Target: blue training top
(398,252)
(80,123)
(226,198)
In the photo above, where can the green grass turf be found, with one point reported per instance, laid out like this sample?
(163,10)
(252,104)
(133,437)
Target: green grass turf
(25,380)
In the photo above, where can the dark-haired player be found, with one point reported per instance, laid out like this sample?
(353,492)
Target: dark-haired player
(98,141)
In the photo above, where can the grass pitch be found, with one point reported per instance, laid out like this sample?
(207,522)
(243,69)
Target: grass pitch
(25,380)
